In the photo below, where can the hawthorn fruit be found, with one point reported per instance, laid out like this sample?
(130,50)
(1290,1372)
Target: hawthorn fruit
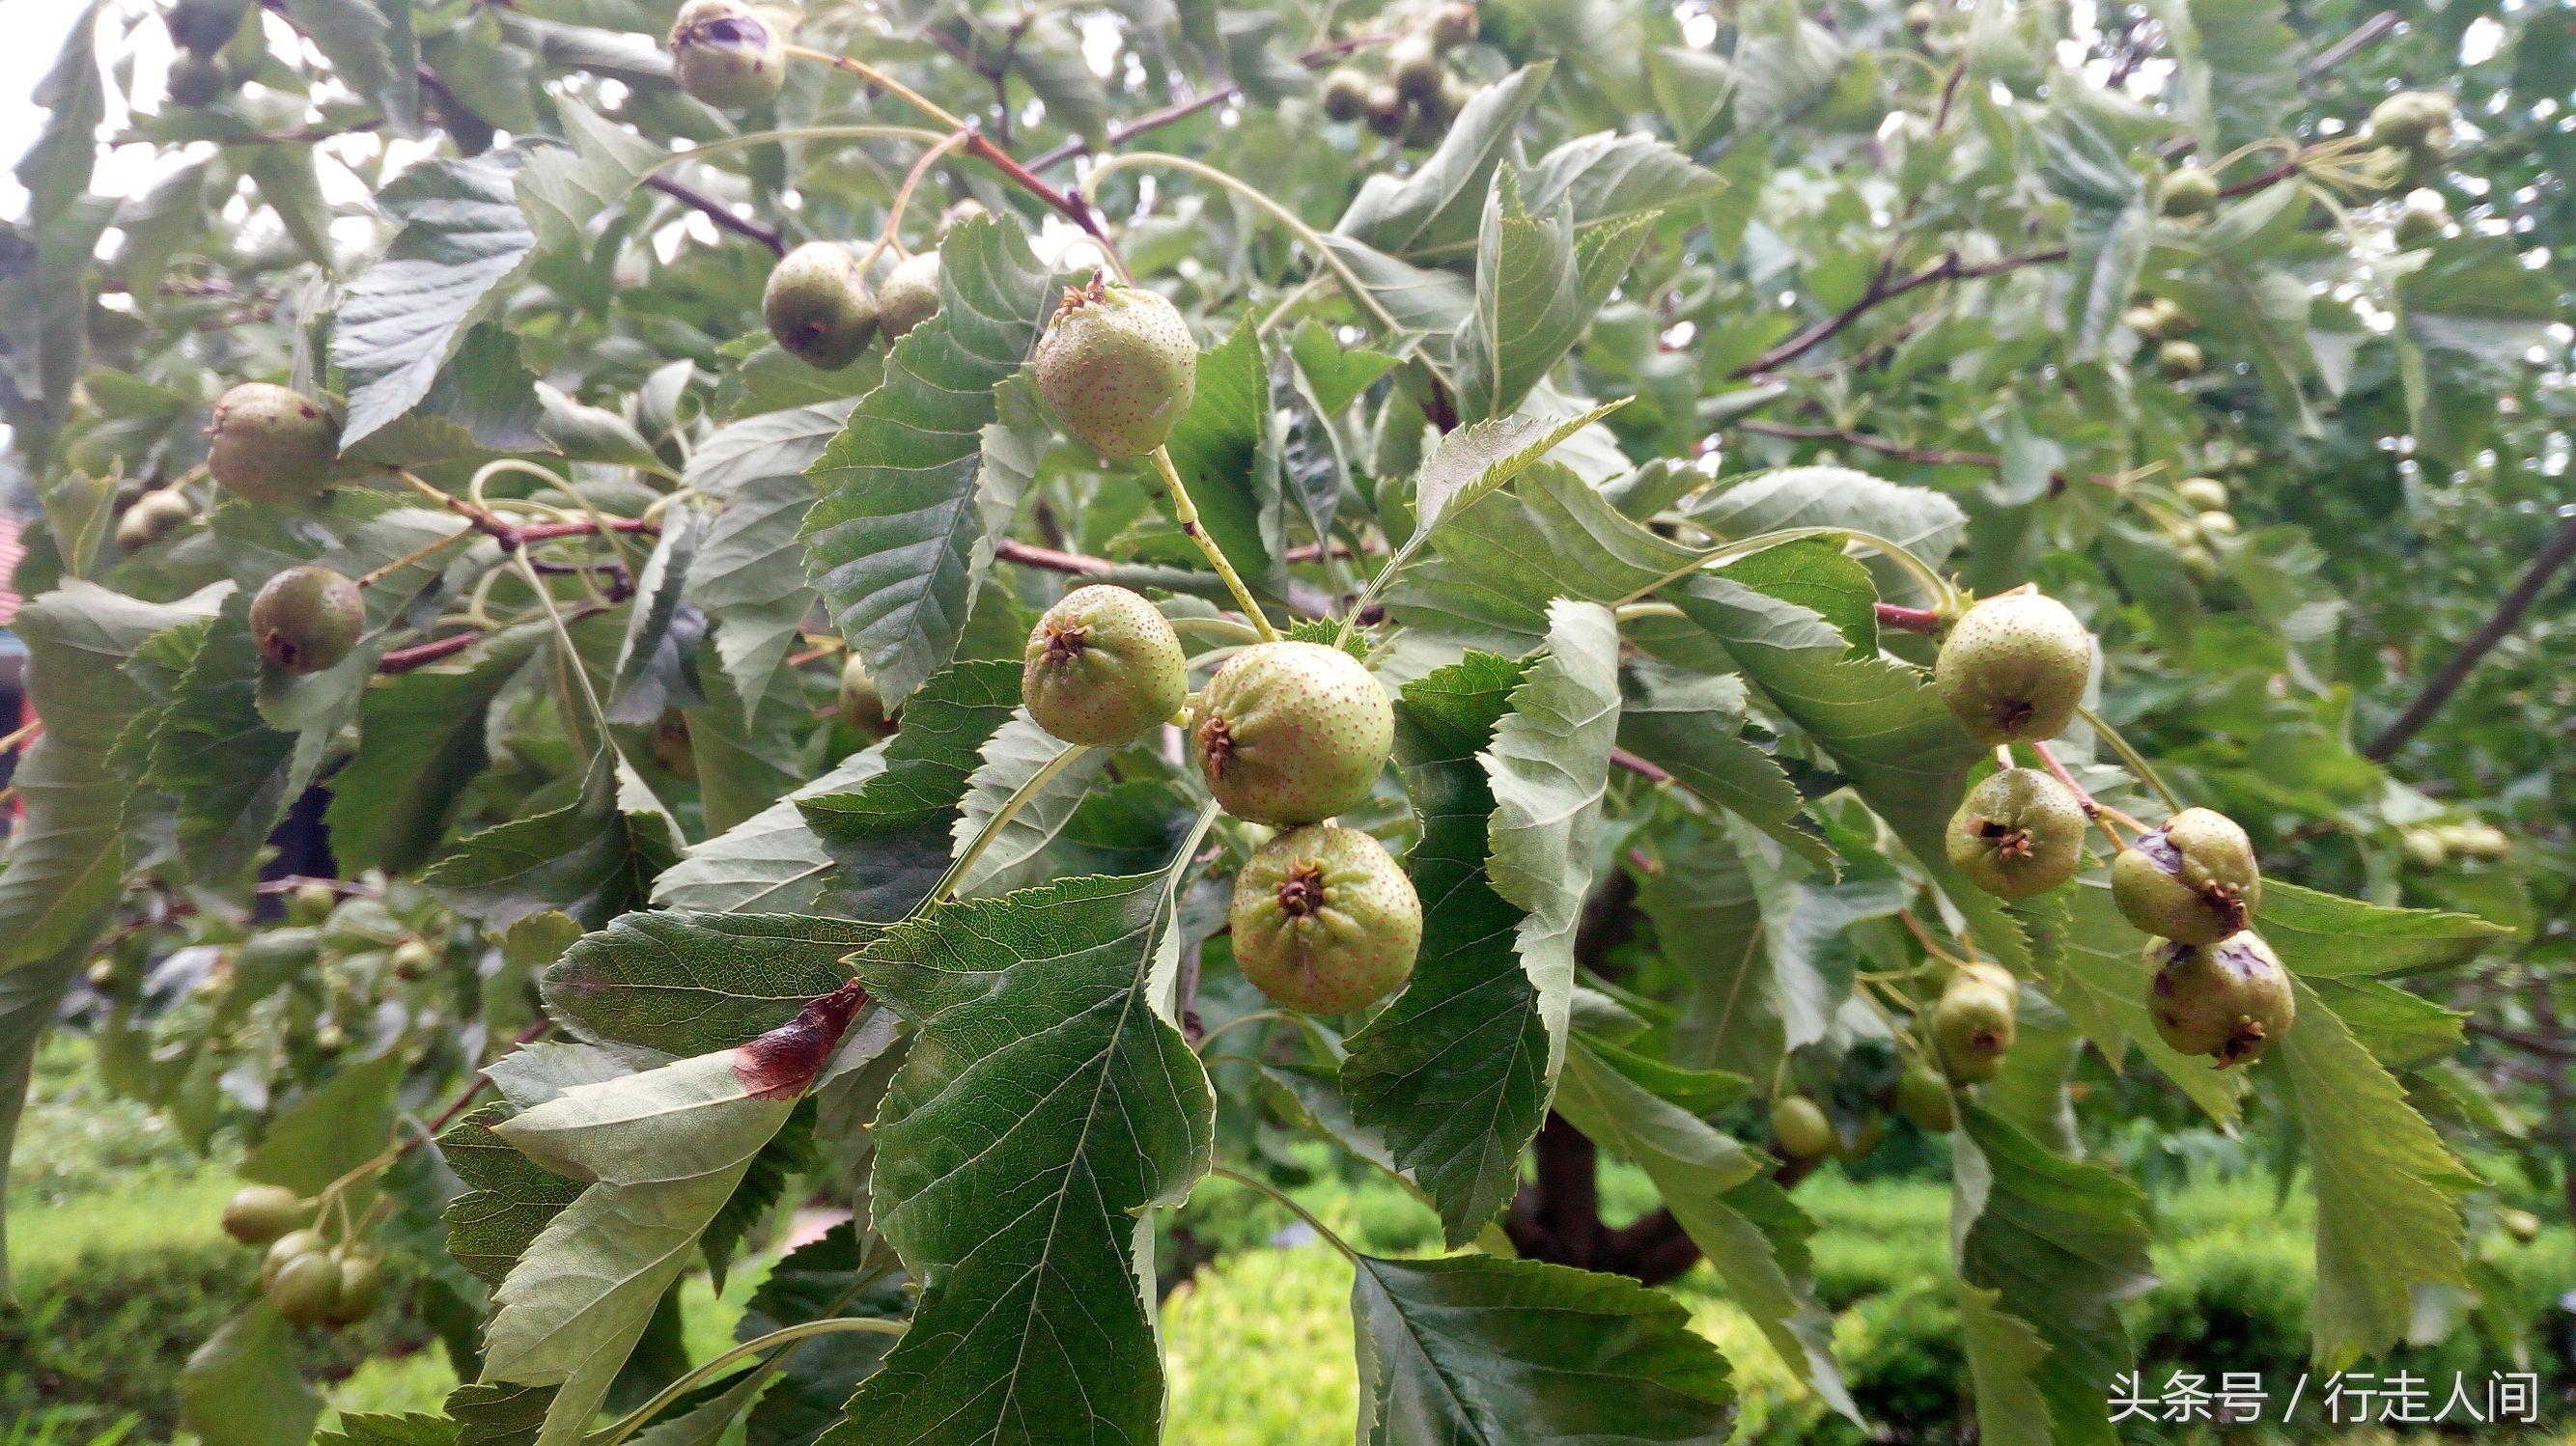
(1291,732)
(1324,920)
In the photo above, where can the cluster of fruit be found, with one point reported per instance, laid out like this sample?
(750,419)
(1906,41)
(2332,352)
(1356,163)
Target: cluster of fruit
(200,29)
(2416,124)
(2161,322)
(307,1278)
(1415,97)
(819,308)
(2435,846)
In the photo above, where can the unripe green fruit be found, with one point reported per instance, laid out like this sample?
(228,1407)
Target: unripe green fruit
(413,959)
(1386,110)
(2202,494)
(2193,881)
(817,307)
(101,975)
(1324,920)
(910,295)
(1290,733)
(1924,1097)
(294,1245)
(2411,119)
(2217,524)
(1973,1024)
(2018,833)
(2168,319)
(1802,1129)
(1922,16)
(861,706)
(2476,841)
(1117,364)
(261,1214)
(2179,360)
(725,56)
(2198,561)
(2522,1225)
(2422,218)
(2140,319)
(154,516)
(1413,67)
(1103,667)
(1425,124)
(2424,848)
(2013,668)
(311,903)
(2189,191)
(306,1289)
(2230,1001)
(272,444)
(1452,25)
(307,618)
(362,1280)
(198,79)
(1344,96)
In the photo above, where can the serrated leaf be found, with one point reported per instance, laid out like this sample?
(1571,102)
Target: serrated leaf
(1549,770)
(421,737)
(895,542)
(1336,373)
(56,168)
(1046,1101)
(1925,523)
(1226,448)
(1481,457)
(463,239)
(1504,554)
(1453,1072)
(28,994)
(2083,156)
(1609,177)
(241,1387)
(374,1430)
(1020,758)
(1783,62)
(691,983)
(1702,1175)
(1474,1349)
(771,862)
(1691,725)
(1537,288)
(2004,1356)
(1440,203)
(590,858)
(892,834)
(2388,1192)
(2320,934)
(2063,1243)
(370,46)
(657,658)
(509,1198)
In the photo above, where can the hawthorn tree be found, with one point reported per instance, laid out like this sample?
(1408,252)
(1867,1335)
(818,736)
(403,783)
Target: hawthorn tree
(981,614)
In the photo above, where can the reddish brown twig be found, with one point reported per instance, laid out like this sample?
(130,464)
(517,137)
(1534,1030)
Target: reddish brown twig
(1905,619)
(1120,132)
(421,655)
(2552,556)
(1049,559)
(473,1090)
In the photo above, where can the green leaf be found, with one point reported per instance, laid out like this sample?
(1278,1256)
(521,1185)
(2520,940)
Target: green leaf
(836,1274)
(1012,762)
(371,1430)
(1226,448)
(2238,64)
(68,857)
(1537,288)
(771,862)
(2084,158)
(231,775)
(1607,177)
(2092,962)
(1047,1100)
(1925,523)
(892,835)
(1691,725)
(1474,1349)
(1707,1179)
(1503,555)
(509,1198)
(463,239)
(1880,721)
(2388,1192)
(590,858)
(663,1151)
(2062,1243)
(56,168)
(241,1387)
(2320,934)
(1549,770)
(2004,1357)
(1481,457)
(1783,62)
(690,983)
(1453,1072)
(895,543)
(369,44)
(749,575)
(337,1126)
(421,738)
(1336,373)
(1441,202)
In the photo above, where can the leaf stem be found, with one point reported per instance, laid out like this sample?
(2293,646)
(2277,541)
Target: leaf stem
(634,1420)
(1285,217)
(2136,761)
(1946,597)
(1225,1172)
(1188,513)
(1001,819)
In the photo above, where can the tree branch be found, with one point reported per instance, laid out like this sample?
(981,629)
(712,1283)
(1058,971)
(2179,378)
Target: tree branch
(718,212)
(2553,555)
(1120,132)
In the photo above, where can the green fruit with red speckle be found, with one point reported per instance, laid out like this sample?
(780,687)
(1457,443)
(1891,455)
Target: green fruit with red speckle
(1103,667)
(2194,881)
(1923,1097)
(1324,920)
(1117,364)
(2013,668)
(1290,733)
(2230,1000)
(1973,1023)
(307,618)
(262,1214)
(725,56)
(2017,833)
(2189,191)
(1802,1129)
(817,308)
(272,444)
(910,295)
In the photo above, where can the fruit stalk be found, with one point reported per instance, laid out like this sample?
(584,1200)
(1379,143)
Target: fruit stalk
(1188,513)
